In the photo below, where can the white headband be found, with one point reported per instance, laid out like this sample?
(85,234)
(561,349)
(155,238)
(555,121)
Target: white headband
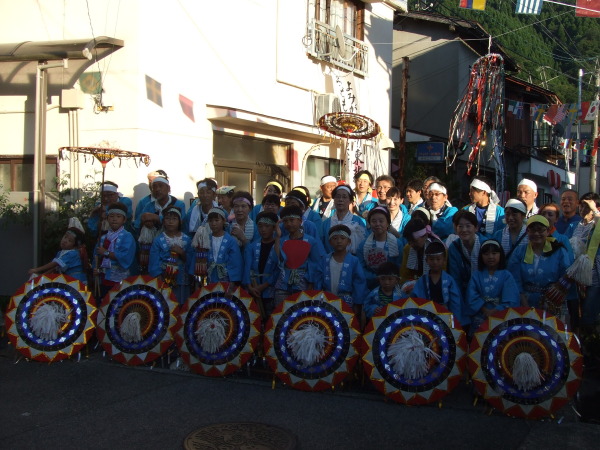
(481,185)
(160,180)
(527,182)
(328,179)
(437,187)
(202,184)
(516,204)
(109,188)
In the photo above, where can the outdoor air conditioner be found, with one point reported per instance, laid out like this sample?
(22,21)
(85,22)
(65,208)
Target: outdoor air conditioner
(325,104)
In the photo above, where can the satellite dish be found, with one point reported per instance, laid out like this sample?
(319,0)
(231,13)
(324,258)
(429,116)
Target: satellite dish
(340,41)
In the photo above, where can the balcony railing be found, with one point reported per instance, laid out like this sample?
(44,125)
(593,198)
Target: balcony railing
(323,46)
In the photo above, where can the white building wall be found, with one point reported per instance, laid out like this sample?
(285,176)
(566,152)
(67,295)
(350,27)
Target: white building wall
(240,54)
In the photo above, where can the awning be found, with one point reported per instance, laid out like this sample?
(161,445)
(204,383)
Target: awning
(18,62)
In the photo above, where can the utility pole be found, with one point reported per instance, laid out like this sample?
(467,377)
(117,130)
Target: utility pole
(403,109)
(577,176)
(594,158)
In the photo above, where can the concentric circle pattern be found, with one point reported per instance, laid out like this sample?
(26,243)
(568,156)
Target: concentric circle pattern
(334,318)
(240,319)
(56,290)
(556,352)
(438,330)
(154,304)
(349,125)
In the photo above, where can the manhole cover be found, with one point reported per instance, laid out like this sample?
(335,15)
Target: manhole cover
(232,436)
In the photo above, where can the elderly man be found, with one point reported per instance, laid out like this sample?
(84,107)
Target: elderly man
(441,212)
(109,194)
(383,183)
(490,216)
(527,191)
(151,215)
(567,222)
(324,204)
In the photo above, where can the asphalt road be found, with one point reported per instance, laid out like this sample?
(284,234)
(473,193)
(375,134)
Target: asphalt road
(97,403)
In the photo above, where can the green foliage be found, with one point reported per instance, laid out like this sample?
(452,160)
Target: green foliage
(12,213)
(550,47)
(71,203)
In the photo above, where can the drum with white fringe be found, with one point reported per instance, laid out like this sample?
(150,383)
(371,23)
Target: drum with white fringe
(217,331)
(525,363)
(50,318)
(137,319)
(310,340)
(415,351)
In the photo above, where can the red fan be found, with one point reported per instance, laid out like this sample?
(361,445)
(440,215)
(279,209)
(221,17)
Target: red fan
(297,252)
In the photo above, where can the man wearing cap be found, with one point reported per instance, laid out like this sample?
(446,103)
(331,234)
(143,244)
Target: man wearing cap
(197,215)
(441,212)
(490,216)
(109,194)
(538,264)
(514,234)
(527,191)
(324,204)
(151,215)
(567,222)
(148,198)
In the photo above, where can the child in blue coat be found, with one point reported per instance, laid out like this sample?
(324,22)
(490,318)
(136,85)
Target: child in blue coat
(170,254)
(492,287)
(387,291)
(342,272)
(437,285)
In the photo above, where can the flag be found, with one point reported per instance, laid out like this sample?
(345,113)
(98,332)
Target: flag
(187,106)
(551,114)
(587,8)
(153,90)
(539,112)
(529,6)
(472,4)
(511,106)
(592,112)
(595,147)
(518,110)
(560,114)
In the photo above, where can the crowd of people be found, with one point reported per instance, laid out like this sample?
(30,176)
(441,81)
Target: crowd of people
(369,244)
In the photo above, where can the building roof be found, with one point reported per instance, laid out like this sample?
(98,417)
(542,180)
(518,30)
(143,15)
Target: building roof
(19,61)
(471,32)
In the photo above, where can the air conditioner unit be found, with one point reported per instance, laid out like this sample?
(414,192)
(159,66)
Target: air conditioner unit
(325,104)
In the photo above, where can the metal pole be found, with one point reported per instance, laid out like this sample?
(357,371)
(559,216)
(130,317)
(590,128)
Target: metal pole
(403,111)
(39,153)
(594,158)
(577,175)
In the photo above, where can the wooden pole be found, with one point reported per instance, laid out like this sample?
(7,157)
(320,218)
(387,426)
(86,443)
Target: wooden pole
(403,110)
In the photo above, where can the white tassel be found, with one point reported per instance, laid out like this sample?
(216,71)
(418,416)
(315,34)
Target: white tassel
(47,320)
(581,270)
(75,223)
(202,237)
(147,235)
(307,343)
(409,356)
(526,373)
(579,247)
(130,327)
(211,332)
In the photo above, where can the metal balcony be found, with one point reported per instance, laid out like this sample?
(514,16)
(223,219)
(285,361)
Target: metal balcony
(323,46)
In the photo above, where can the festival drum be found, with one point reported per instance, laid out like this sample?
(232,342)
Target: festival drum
(137,320)
(310,340)
(525,363)
(415,351)
(217,333)
(50,318)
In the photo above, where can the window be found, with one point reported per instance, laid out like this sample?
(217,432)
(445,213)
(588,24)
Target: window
(16,173)
(348,14)
(316,168)
(323,44)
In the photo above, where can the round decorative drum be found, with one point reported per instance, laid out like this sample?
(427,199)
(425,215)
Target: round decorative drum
(310,340)
(218,333)
(137,320)
(50,317)
(524,363)
(415,351)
